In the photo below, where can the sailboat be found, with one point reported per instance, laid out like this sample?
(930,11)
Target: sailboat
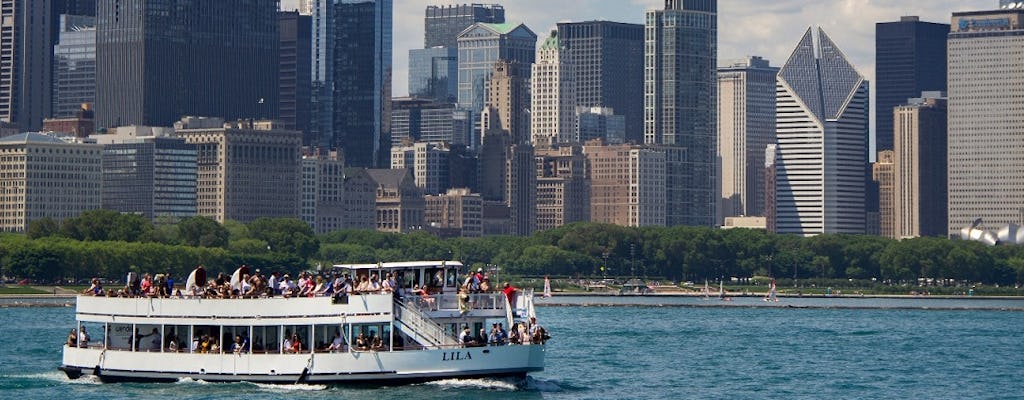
(707,291)
(771,295)
(547,287)
(721,293)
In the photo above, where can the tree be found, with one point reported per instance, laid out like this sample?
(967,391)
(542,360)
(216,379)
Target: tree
(202,232)
(286,235)
(42,227)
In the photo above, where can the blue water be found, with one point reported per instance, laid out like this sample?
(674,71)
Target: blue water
(651,351)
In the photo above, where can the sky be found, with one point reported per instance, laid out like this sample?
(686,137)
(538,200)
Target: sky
(767,28)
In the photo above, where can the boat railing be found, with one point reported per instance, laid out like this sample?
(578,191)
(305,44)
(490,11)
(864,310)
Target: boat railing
(409,316)
(476,301)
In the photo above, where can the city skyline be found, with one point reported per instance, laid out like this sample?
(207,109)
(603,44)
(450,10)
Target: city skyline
(775,23)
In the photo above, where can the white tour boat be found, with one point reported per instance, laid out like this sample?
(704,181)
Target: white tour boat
(375,338)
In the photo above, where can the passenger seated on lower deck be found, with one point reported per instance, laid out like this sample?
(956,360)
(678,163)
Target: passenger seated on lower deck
(466,338)
(337,343)
(362,343)
(72,339)
(378,344)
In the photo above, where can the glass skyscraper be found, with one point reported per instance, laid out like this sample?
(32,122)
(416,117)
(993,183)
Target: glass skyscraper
(607,59)
(910,58)
(352,78)
(443,24)
(74,65)
(434,73)
(158,60)
(483,44)
(680,110)
(154,177)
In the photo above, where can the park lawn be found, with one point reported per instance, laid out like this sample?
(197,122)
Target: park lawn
(21,290)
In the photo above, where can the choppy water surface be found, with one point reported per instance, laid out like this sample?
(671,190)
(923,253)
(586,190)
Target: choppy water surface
(651,351)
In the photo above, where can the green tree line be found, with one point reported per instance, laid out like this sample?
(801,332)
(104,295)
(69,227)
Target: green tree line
(108,244)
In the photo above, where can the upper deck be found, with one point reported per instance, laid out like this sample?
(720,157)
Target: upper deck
(367,308)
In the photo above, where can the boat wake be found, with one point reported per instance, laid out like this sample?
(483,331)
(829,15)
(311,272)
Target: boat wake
(482,383)
(499,384)
(57,376)
(290,388)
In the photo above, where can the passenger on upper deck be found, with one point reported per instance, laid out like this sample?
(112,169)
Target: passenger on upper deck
(510,294)
(364,285)
(96,289)
(272,283)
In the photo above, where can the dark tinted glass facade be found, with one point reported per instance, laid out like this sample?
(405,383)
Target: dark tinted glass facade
(152,177)
(608,63)
(442,24)
(295,74)
(158,60)
(910,58)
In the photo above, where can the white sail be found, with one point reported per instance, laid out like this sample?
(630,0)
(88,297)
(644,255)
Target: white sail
(190,283)
(547,287)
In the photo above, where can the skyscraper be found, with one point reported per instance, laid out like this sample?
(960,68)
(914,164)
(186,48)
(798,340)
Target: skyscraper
(151,176)
(986,133)
(161,61)
(362,81)
(680,88)
(295,75)
(910,57)
(434,69)
(822,132)
(25,62)
(74,65)
(443,24)
(883,173)
(920,164)
(607,61)
(434,73)
(479,47)
(553,96)
(746,125)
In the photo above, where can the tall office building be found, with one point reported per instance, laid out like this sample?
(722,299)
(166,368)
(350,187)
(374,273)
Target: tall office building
(607,60)
(553,97)
(593,123)
(323,192)
(152,176)
(920,164)
(295,72)
(883,174)
(456,213)
(680,81)
(74,65)
(362,81)
(434,73)
(770,219)
(563,186)
(746,126)
(157,61)
(430,164)
(483,44)
(822,132)
(25,62)
(46,177)
(627,184)
(443,24)
(986,134)
(424,120)
(910,58)
(246,169)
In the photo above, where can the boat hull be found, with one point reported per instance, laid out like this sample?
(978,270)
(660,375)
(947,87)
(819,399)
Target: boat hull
(382,368)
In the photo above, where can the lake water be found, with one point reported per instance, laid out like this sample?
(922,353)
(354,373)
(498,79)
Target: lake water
(664,348)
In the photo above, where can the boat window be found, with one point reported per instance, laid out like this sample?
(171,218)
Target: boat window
(408,279)
(290,331)
(323,336)
(230,333)
(266,339)
(436,276)
(93,336)
(453,278)
(147,337)
(205,339)
(119,336)
(176,338)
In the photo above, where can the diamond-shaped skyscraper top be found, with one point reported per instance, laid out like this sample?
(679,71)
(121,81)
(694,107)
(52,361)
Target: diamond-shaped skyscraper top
(820,74)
